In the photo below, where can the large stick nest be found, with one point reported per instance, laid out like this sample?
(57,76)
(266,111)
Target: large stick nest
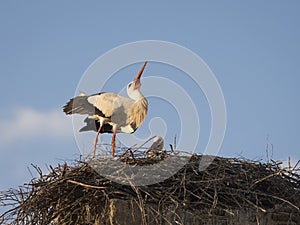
(70,194)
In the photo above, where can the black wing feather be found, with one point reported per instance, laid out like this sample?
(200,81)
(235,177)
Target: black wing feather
(94,125)
(80,105)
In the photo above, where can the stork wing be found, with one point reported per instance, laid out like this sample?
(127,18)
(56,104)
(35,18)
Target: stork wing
(110,103)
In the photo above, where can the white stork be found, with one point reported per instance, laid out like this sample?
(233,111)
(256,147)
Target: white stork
(156,148)
(111,113)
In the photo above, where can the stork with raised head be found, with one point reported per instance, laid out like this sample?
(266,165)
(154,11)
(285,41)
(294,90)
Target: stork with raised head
(111,113)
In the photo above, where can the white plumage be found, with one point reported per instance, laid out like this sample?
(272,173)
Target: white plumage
(111,113)
(156,149)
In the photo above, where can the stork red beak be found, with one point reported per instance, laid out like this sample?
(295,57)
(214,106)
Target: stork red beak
(139,74)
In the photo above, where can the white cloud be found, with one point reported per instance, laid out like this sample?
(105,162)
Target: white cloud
(28,124)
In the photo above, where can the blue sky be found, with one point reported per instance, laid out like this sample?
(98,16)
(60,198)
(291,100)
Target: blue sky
(45,47)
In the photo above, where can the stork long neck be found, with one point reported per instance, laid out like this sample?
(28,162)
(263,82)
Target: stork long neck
(136,95)
(138,112)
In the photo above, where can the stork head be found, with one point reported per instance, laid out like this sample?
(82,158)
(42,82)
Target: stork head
(134,86)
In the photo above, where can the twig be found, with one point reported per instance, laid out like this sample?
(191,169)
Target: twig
(85,185)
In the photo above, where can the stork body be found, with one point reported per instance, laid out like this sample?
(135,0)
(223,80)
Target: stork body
(111,113)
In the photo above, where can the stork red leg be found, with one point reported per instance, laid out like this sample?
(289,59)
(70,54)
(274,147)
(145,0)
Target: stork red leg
(96,140)
(113,140)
